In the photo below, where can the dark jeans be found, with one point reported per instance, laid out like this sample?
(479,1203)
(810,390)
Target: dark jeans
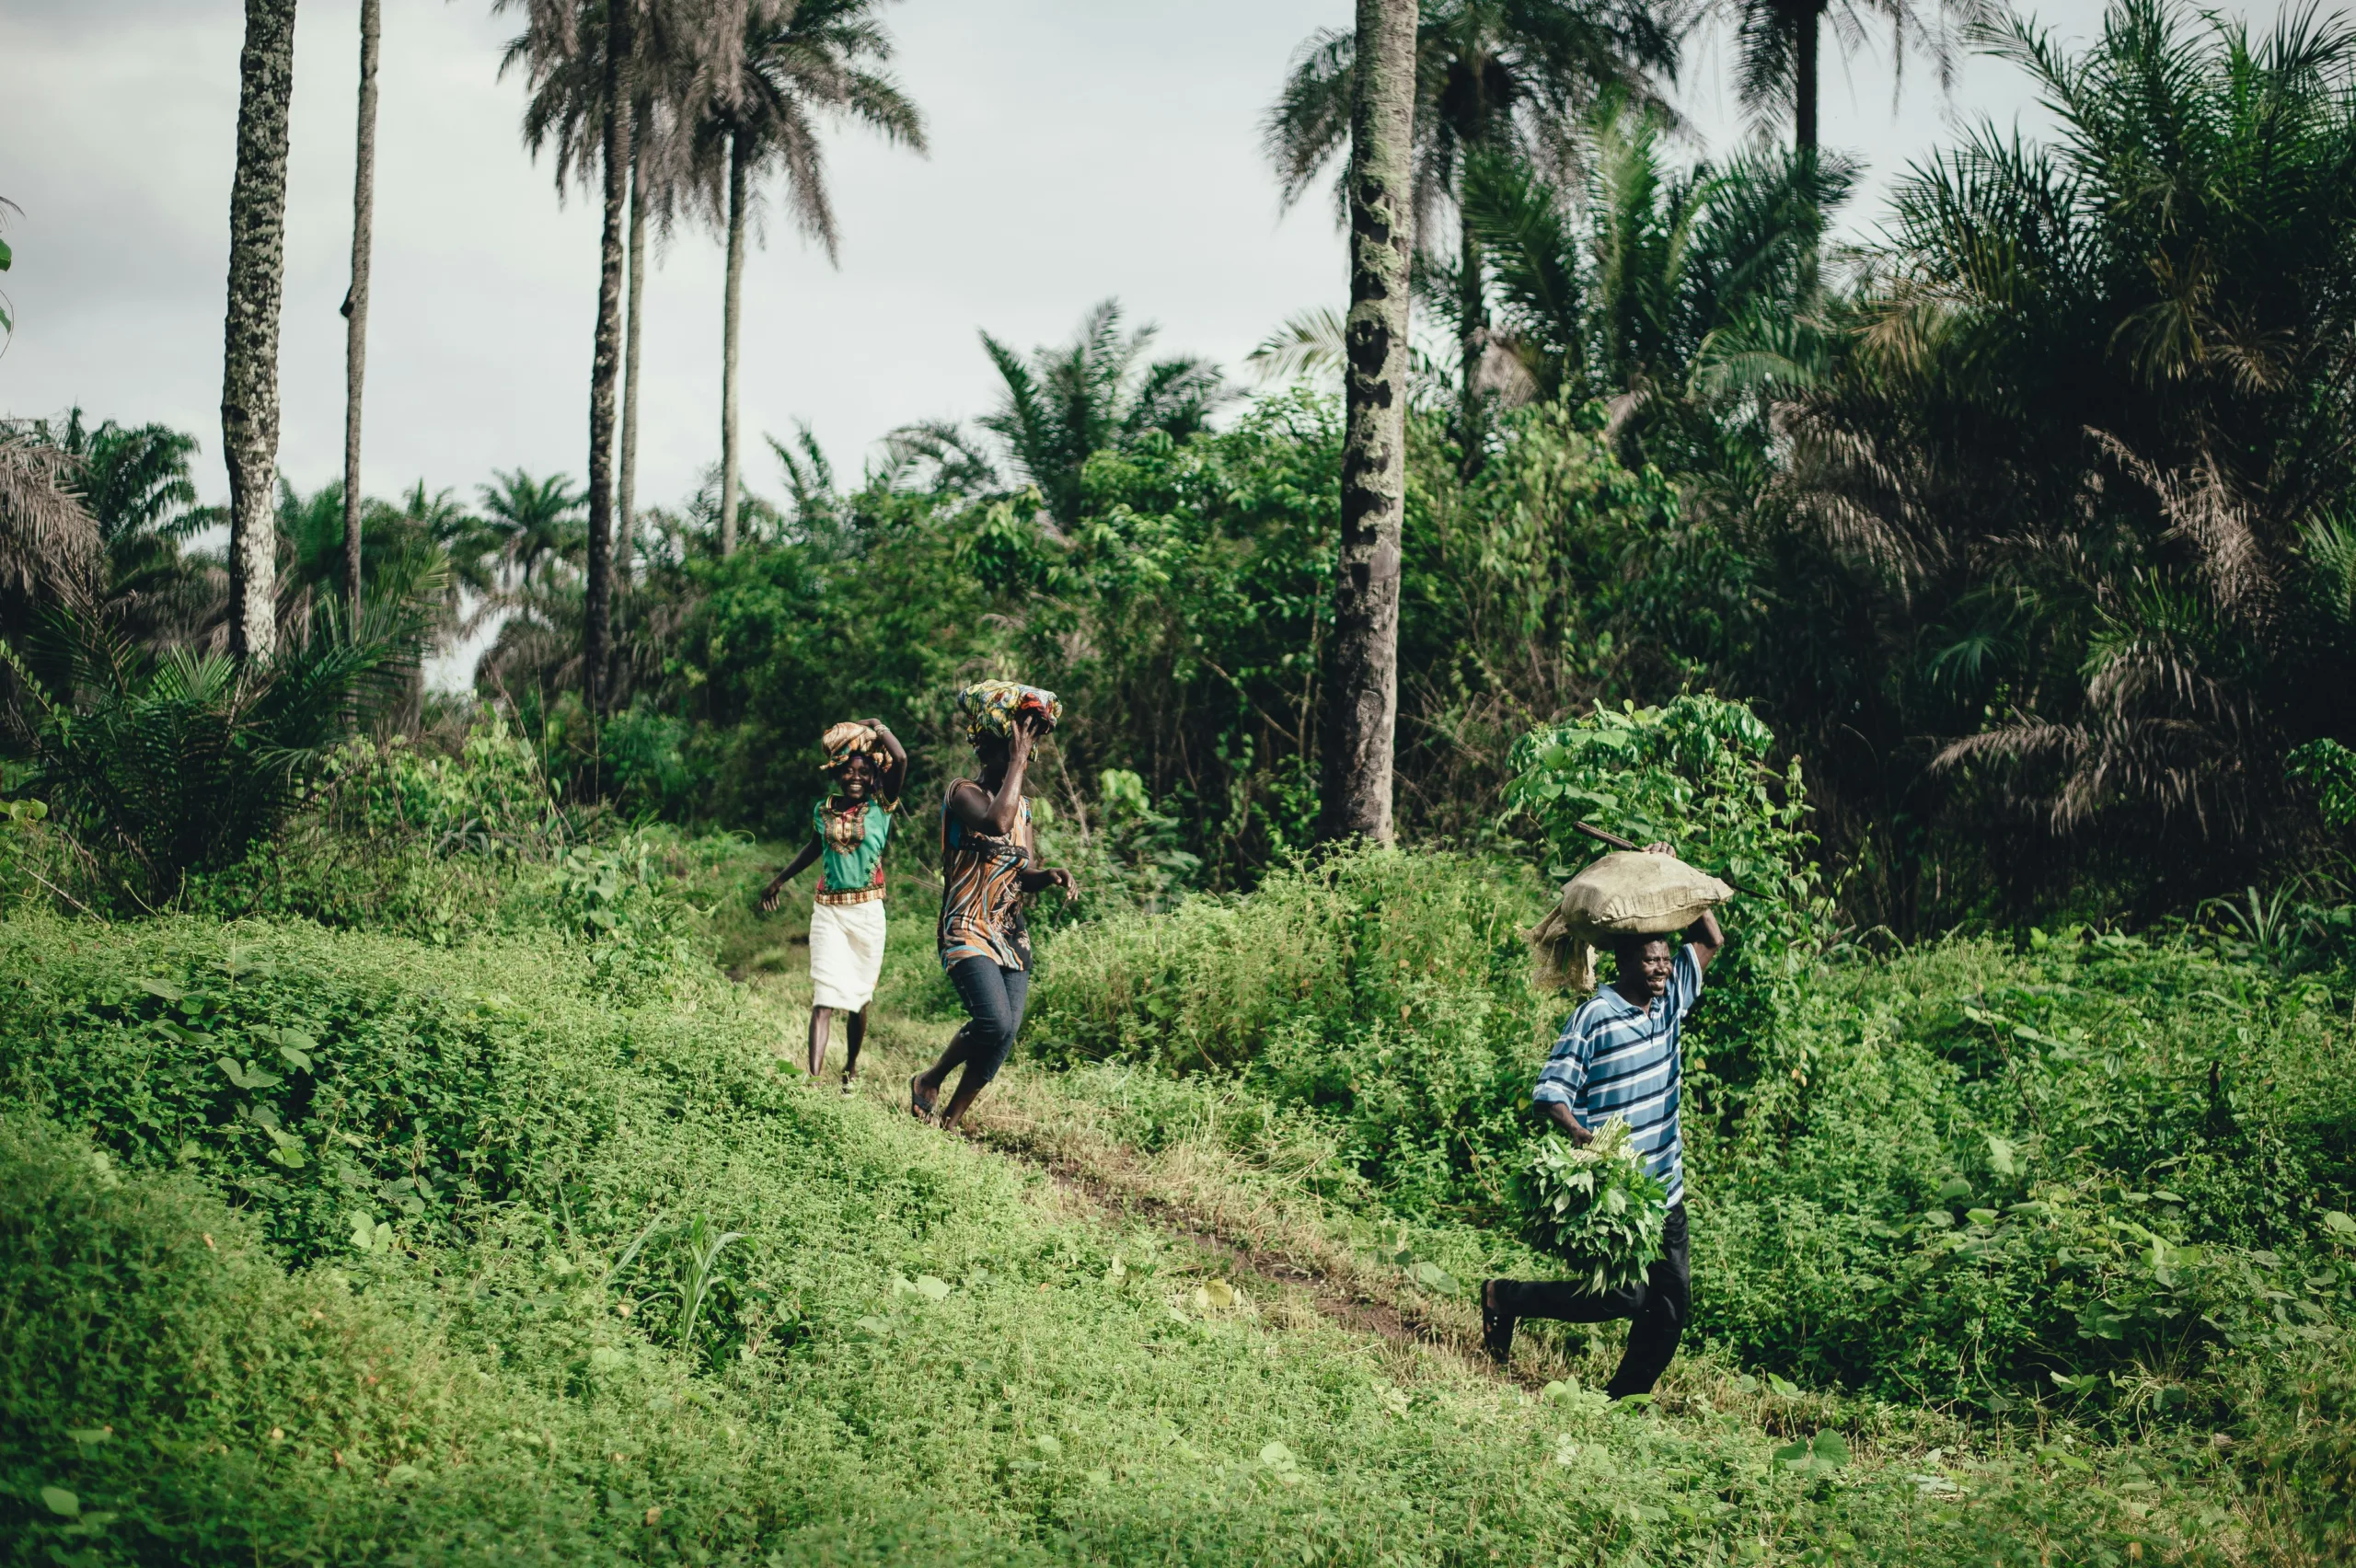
(1658,1307)
(994,999)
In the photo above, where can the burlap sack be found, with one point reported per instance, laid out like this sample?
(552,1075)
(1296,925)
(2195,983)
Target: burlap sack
(1625,893)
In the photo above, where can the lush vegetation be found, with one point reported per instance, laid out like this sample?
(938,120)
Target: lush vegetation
(337,1243)
(2027,552)
(398,1161)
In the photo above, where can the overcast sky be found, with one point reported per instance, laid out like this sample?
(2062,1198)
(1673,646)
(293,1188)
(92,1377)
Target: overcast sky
(1080,148)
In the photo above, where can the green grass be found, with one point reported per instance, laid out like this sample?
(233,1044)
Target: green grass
(920,1350)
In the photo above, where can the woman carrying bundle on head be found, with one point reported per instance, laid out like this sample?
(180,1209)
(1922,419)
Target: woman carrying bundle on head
(989,861)
(868,766)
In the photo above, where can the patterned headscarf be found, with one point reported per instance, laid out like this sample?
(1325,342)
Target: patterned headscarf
(989,708)
(844,742)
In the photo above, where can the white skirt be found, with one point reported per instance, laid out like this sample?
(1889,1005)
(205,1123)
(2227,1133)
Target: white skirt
(846,955)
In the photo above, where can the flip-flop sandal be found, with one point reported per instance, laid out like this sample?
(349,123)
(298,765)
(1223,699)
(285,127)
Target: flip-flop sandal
(919,1106)
(850,1084)
(1496,1328)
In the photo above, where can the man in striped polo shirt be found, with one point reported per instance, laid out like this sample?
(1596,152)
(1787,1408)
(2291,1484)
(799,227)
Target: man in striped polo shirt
(1618,1057)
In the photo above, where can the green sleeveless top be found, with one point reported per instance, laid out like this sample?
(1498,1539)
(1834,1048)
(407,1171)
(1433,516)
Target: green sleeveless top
(851,850)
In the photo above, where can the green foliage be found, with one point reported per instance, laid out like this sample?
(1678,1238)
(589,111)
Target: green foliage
(1595,1206)
(617,897)
(1388,993)
(1659,286)
(182,763)
(2329,770)
(19,823)
(2006,493)
(312,1087)
(1695,773)
(902,1358)
(403,837)
(2090,1175)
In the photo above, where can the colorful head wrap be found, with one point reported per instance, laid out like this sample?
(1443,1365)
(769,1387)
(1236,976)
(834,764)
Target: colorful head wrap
(844,742)
(990,707)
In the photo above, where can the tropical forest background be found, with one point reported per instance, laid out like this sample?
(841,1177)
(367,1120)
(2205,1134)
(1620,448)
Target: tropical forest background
(1972,580)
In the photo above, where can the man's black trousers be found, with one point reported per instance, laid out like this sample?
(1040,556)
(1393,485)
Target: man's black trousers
(1657,1308)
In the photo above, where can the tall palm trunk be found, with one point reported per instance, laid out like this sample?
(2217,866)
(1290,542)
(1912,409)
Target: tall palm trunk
(355,304)
(626,546)
(732,313)
(1362,696)
(596,630)
(249,358)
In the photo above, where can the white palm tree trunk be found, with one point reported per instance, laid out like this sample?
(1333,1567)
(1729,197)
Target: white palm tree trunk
(249,358)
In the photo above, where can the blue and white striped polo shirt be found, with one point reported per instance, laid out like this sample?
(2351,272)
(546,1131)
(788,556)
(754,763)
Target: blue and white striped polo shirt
(1615,1059)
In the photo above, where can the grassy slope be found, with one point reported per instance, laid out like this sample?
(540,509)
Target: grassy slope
(921,1350)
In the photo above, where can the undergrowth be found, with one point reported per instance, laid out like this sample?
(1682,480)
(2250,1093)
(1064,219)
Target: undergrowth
(2099,1181)
(537,1344)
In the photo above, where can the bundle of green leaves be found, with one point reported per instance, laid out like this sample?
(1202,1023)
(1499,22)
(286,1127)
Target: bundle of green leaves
(1597,1206)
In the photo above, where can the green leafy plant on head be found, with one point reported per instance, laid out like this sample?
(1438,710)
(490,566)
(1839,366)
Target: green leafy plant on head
(1694,773)
(1597,1206)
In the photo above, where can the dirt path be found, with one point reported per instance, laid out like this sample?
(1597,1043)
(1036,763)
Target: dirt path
(1349,1309)
(1248,1234)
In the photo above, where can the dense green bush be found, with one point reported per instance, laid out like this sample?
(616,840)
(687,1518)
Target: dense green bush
(315,1081)
(1967,1170)
(2098,1173)
(1387,991)
(398,836)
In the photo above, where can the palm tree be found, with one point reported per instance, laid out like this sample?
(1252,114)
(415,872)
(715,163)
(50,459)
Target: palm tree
(135,485)
(801,59)
(1362,695)
(249,369)
(355,302)
(2084,462)
(1501,75)
(48,538)
(582,58)
(1060,406)
(1097,393)
(1778,47)
(1639,284)
(634,324)
(407,569)
(531,524)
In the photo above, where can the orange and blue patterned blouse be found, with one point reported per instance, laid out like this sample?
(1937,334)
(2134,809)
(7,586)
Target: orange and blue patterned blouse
(981,893)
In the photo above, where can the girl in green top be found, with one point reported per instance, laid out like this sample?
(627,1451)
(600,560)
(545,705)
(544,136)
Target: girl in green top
(847,925)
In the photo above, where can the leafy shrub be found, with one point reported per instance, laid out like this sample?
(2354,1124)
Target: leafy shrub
(1387,992)
(314,1079)
(1695,774)
(1595,1206)
(1947,1176)
(180,763)
(1965,1171)
(620,900)
(647,763)
(400,837)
